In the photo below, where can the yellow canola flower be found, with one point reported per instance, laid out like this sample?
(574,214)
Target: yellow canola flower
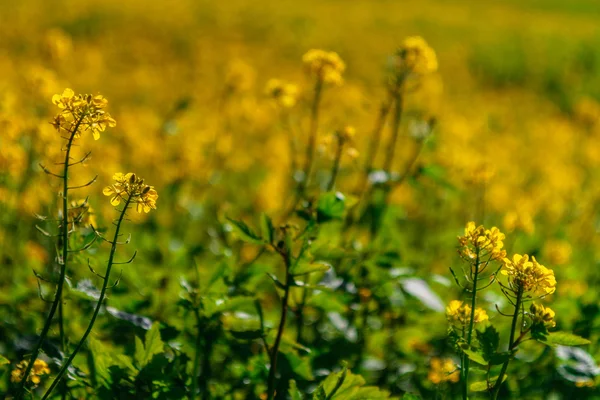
(325,65)
(40,367)
(528,276)
(284,94)
(460,313)
(488,243)
(82,112)
(416,56)
(442,370)
(541,314)
(128,187)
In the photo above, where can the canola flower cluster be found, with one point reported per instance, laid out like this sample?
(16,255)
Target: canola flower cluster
(527,276)
(443,370)
(460,313)
(327,66)
(40,368)
(416,56)
(82,110)
(480,244)
(284,94)
(542,315)
(130,188)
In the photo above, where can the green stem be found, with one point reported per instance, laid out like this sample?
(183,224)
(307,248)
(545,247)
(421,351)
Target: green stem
(399,106)
(336,165)
(64,237)
(284,310)
(312,144)
(511,344)
(113,249)
(465,380)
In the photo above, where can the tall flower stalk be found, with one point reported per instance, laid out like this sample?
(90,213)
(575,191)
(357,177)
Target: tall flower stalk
(78,113)
(327,68)
(130,189)
(527,280)
(479,247)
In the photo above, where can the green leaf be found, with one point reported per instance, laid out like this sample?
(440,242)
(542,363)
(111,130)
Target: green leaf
(488,340)
(305,268)
(482,386)
(331,206)
(266,228)
(300,365)
(563,338)
(4,360)
(153,345)
(245,233)
(476,356)
(410,396)
(293,391)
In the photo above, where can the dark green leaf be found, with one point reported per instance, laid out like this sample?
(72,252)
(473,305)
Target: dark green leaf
(245,233)
(152,345)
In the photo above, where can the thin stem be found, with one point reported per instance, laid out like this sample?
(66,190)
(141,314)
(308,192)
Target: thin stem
(113,250)
(312,144)
(62,262)
(399,106)
(336,164)
(511,344)
(284,310)
(465,380)
(375,136)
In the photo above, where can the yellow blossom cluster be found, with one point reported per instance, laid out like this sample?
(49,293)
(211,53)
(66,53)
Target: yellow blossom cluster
(528,277)
(443,370)
(325,65)
(482,243)
(541,314)
(129,188)
(40,367)
(81,111)
(416,56)
(283,94)
(459,312)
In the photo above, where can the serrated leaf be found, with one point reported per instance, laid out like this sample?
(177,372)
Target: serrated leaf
(305,268)
(266,227)
(152,345)
(562,338)
(488,339)
(245,233)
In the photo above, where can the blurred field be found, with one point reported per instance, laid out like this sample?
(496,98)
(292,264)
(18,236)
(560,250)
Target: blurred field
(516,145)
